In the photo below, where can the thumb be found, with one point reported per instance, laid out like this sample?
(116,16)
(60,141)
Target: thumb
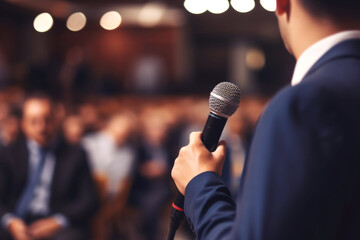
(220,151)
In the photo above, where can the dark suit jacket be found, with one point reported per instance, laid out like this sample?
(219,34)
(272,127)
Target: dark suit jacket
(72,191)
(302,175)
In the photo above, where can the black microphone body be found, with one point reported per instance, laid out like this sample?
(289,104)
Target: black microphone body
(224,100)
(212,131)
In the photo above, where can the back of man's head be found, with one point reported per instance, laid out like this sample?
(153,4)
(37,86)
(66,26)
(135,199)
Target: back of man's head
(333,9)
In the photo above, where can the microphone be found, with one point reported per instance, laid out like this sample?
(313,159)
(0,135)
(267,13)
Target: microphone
(223,102)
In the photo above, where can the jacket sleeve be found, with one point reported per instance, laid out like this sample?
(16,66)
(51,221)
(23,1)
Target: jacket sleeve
(293,182)
(209,207)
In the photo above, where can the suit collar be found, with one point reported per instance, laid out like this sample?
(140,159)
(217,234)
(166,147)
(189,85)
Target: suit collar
(316,51)
(348,48)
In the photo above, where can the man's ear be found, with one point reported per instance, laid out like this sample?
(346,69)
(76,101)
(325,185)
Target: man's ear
(282,7)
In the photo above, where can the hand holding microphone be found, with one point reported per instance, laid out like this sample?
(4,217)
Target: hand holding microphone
(203,153)
(195,159)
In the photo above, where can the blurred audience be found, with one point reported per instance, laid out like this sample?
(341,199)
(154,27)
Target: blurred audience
(112,157)
(111,154)
(195,113)
(89,114)
(238,134)
(75,75)
(235,135)
(4,110)
(252,108)
(126,163)
(151,190)
(73,129)
(9,127)
(46,189)
(4,71)
(149,73)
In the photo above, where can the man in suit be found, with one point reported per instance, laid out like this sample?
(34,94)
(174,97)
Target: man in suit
(46,189)
(301,177)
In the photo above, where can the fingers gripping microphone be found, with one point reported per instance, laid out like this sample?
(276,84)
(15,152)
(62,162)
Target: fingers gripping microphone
(223,102)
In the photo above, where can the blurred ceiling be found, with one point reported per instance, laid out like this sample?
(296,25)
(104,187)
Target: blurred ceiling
(258,24)
(177,3)
(209,38)
(69,5)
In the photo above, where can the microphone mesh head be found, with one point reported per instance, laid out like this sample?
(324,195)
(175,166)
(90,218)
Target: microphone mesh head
(224,99)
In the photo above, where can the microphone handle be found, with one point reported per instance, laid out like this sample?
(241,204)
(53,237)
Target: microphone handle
(212,131)
(210,137)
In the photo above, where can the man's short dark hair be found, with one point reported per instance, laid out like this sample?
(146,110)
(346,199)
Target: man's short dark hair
(335,9)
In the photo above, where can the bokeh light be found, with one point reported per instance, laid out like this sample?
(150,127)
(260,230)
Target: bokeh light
(110,20)
(151,14)
(43,22)
(243,6)
(255,59)
(196,6)
(76,22)
(269,5)
(217,6)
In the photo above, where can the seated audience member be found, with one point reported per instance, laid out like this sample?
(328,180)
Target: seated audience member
(111,154)
(89,113)
(151,190)
(10,128)
(46,189)
(112,157)
(235,135)
(73,129)
(194,117)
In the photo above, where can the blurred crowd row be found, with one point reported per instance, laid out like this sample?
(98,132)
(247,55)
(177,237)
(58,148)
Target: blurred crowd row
(131,143)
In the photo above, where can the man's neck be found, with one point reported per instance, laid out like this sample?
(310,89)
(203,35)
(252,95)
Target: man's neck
(307,30)
(309,34)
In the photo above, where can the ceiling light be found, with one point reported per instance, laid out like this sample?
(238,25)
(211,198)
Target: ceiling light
(43,22)
(76,22)
(243,6)
(196,6)
(151,14)
(218,6)
(110,20)
(269,5)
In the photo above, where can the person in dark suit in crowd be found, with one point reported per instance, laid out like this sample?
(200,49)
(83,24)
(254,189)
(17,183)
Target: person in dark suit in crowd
(301,178)
(10,127)
(151,188)
(46,189)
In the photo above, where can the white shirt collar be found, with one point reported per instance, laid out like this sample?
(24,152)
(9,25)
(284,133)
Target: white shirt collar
(312,54)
